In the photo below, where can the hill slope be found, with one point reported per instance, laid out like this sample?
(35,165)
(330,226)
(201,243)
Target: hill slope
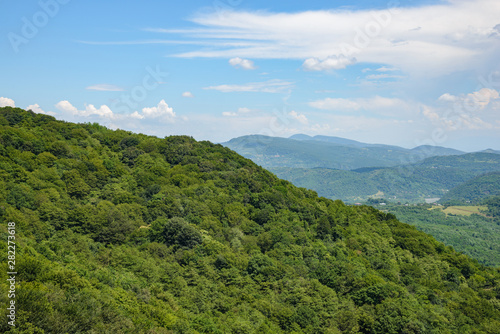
(475,190)
(126,233)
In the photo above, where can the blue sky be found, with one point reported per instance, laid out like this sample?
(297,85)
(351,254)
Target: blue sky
(400,72)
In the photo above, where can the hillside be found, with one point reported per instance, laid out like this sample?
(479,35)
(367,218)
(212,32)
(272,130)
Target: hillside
(474,190)
(430,178)
(117,232)
(301,151)
(475,235)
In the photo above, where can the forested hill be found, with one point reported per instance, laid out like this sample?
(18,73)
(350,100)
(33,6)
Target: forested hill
(125,233)
(474,190)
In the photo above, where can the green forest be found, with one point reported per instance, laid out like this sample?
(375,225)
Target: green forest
(119,232)
(430,178)
(475,190)
(477,235)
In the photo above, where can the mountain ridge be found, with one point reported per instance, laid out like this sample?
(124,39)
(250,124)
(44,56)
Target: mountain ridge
(327,152)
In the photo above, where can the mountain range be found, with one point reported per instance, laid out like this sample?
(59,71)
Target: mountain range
(353,171)
(302,151)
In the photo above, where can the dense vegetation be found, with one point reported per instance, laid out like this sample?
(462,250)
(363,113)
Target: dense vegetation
(301,151)
(430,178)
(475,190)
(475,235)
(124,233)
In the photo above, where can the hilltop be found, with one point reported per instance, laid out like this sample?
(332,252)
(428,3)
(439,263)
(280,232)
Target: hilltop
(129,233)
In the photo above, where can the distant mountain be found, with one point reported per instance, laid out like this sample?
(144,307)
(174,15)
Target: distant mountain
(423,150)
(489,150)
(430,178)
(430,151)
(474,190)
(302,151)
(339,141)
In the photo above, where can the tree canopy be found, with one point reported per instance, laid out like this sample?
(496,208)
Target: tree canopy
(128,233)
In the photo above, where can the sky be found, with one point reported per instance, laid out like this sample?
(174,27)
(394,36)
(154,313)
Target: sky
(404,73)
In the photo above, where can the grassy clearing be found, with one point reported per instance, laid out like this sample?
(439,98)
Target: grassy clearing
(462,210)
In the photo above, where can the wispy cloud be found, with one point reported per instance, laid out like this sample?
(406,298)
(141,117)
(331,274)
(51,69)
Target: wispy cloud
(240,112)
(453,36)
(374,103)
(384,76)
(105,88)
(270,86)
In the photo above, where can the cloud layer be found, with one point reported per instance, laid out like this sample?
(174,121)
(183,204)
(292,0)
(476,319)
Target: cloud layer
(105,88)
(433,39)
(270,86)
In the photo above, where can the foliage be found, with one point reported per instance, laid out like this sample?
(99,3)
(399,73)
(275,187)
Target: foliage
(474,190)
(473,234)
(127,233)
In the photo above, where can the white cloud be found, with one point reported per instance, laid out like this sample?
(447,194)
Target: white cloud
(37,109)
(335,104)
(376,102)
(454,35)
(105,88)
(103,111)
(383,76)
(447,98)
(162,110)
(430,113)
(299,117)
(6,102)
(187,94)
(245,64)
(136,115)
(90,110)
(386,69)
(330,63)
(474,101)
(244,110)
(66,107)
(240,111)
(474,111)
(270,86)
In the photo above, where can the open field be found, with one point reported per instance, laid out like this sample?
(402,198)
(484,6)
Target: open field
(462,210)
